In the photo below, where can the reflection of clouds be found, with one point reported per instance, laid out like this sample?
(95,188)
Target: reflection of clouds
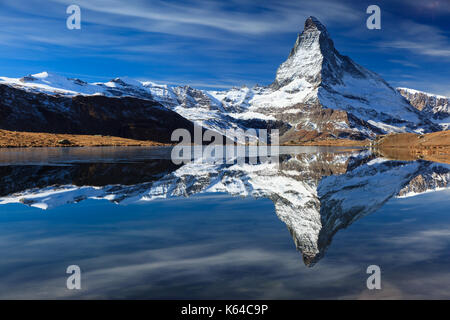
(401,250)
(239,251)
(425,237)
(174,256)
(418,286)
(418,246)
(388,292)
(170,272)
(220,269)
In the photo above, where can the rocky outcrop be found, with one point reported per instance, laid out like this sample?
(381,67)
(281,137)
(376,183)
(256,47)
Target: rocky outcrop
(18,178)
(434,177)
(433,106)
(315,123)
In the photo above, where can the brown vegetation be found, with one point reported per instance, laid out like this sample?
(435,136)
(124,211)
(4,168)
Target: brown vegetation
(11,139)
(408,146)
(330,142)
(411,140)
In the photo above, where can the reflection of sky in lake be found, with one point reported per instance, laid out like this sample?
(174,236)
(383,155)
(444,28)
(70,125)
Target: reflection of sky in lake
(218,246)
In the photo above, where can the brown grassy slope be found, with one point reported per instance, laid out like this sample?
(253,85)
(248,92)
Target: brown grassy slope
(410,140)
(11,139)
(330,142)
(408,146)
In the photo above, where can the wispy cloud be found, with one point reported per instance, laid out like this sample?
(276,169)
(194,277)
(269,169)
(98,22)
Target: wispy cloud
(404,63)
(202,40)
(427,49)
(419,39)
(200,18)
(164,16)
(437,7)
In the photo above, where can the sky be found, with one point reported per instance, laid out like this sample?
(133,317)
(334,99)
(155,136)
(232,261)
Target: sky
(220,44)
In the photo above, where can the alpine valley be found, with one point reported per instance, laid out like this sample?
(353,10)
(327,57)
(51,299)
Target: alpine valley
(318,94)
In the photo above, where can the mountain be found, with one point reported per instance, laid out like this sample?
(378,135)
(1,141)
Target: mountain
(198,106)
(322,93)
(317,94)
(435,107)
(92,114)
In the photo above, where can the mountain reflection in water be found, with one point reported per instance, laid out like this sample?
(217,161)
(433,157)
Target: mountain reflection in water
(315,192)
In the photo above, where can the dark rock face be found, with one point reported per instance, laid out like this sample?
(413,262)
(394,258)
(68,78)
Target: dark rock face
(123,117)
(434,177)
(269,125)
(22,177)
(314,123)
(189,97)
(435,107)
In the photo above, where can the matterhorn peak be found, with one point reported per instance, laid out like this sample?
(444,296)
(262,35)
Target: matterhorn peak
(306,57)
(314,61)
(316,70)
(312,23)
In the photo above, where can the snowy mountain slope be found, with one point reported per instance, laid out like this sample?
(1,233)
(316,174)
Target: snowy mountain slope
(315,73)
(51,83)
(196,105)
(433,106)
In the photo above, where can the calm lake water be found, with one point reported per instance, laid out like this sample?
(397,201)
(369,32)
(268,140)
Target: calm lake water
(141,227)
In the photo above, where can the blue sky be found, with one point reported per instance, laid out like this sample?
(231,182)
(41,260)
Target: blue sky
(219,44)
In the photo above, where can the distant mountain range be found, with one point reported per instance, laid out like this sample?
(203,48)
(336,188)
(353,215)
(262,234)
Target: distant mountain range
(317,94)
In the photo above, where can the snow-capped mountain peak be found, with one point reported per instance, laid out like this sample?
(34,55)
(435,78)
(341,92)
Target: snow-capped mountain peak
(305,59)
(317,92)
(337,82)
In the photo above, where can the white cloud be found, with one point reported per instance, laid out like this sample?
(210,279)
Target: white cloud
(418,39)
(193,18)
(404,63)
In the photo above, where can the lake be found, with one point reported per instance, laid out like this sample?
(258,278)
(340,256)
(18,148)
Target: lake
(141,227)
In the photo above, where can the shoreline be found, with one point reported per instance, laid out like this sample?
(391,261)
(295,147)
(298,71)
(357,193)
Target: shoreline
(332,143)
(19,139)
(400,143)
(409,146)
